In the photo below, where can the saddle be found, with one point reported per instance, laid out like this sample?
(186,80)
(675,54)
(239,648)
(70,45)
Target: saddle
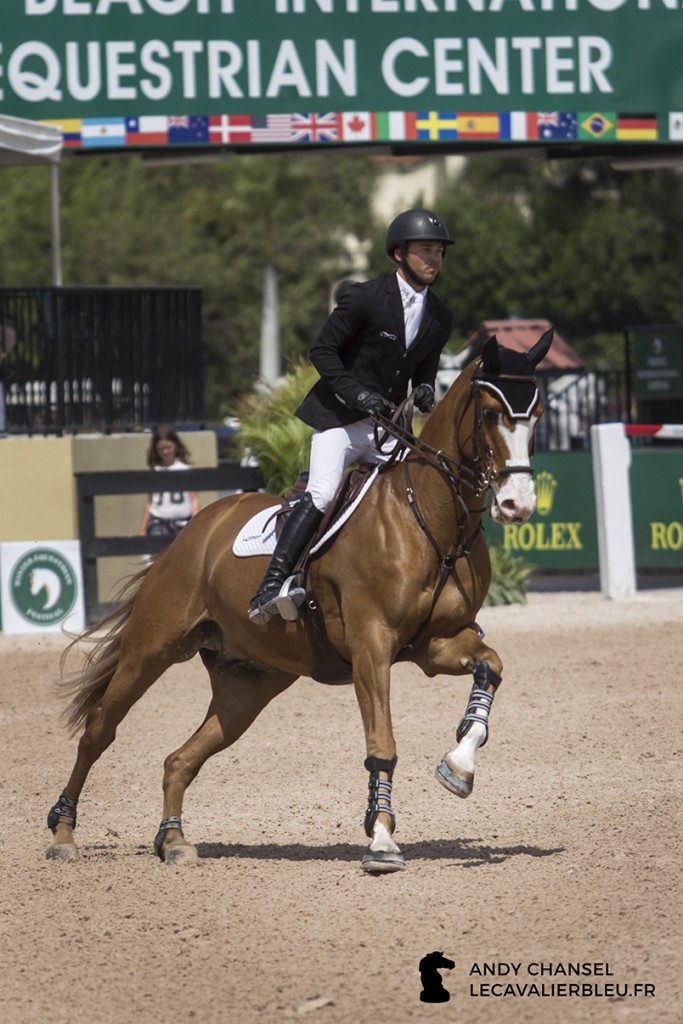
(328,665)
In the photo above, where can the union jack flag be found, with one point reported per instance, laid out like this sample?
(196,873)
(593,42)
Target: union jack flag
(315,127)
(552,120)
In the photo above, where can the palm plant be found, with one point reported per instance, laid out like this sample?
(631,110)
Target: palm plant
(271,433)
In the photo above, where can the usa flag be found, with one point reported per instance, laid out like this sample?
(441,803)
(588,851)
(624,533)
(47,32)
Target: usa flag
(271,128)
(315,127)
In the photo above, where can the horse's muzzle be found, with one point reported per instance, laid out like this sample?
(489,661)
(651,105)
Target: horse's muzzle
(513,500)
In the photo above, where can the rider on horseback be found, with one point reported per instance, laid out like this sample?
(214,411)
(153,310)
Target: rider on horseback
(384,336)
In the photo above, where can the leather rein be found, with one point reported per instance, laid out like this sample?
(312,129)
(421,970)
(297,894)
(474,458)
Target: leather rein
(457,473)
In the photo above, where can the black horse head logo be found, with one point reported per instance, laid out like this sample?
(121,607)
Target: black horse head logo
(433,990)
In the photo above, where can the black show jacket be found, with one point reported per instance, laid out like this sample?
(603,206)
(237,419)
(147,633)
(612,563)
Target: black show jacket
(361,347)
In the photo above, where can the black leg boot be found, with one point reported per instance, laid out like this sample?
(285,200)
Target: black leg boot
(299,528)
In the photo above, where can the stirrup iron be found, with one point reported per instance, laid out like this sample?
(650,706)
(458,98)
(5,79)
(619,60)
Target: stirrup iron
(285,603)
(289,600)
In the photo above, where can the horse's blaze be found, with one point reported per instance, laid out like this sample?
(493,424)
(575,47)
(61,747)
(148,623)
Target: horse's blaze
(514,497)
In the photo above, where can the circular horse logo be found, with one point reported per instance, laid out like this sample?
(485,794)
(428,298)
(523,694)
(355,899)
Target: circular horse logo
(43,586)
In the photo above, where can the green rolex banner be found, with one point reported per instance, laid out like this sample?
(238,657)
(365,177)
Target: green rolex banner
(562,533)
(657,502)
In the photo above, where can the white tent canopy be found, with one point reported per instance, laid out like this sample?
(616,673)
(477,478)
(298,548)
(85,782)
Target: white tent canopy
(30,142)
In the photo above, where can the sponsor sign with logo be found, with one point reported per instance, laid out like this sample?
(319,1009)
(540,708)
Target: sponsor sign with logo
(657,500)
(41,587)
(659,361)
(562,533)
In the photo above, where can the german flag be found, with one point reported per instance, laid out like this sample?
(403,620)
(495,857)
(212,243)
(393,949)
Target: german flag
(637,127)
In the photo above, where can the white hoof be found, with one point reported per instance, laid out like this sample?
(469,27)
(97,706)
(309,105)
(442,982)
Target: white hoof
(384,856)
(383,862)
(455,779)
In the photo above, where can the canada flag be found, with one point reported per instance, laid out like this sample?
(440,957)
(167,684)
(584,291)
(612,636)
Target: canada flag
(356,127)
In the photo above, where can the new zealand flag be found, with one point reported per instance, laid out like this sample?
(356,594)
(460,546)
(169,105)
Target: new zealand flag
(188,131)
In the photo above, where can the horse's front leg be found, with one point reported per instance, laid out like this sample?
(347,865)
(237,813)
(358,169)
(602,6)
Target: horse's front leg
(372,677)
(459,655)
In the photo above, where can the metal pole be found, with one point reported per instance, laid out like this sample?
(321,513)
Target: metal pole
(270,328)
(55,227)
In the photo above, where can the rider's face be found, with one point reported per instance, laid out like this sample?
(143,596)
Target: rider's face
(424,259)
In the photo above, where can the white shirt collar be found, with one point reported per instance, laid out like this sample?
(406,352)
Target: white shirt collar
(409,294)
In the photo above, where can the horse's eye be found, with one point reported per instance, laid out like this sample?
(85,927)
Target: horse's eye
(491,416)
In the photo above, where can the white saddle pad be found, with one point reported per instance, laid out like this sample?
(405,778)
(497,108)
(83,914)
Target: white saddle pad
(257,536)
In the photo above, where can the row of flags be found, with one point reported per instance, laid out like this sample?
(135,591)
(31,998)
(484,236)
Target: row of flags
(368,126)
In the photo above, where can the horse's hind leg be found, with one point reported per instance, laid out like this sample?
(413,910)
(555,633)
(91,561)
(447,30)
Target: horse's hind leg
(458,655)
(239,695)
(133,676)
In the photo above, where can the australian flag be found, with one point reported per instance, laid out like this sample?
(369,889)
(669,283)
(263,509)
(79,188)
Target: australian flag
(188,131)
(557,125)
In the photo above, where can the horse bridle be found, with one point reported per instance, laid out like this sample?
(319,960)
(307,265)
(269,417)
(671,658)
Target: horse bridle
(490,379)
(456,472)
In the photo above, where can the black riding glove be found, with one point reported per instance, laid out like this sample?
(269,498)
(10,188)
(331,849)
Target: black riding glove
(373,404)
(423,397)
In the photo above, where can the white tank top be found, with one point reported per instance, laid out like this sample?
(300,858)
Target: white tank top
(171,504)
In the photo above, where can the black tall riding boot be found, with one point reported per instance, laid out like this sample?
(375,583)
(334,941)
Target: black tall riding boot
(298,529)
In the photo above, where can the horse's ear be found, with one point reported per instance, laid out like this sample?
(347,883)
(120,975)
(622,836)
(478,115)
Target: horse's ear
(540,349)
(490,355)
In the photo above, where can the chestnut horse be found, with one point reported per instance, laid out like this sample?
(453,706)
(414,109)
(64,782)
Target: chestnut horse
(403,579)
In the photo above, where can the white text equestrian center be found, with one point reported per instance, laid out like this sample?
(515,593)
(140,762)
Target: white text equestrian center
(203,57)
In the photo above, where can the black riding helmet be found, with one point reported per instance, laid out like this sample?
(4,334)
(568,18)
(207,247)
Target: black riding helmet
(414,226)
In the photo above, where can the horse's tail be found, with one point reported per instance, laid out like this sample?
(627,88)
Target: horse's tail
(86,686)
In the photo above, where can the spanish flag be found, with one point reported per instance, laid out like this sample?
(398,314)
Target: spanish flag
(637,127)
(478,126)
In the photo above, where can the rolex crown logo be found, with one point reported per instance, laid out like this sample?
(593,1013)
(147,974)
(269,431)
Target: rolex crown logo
(545,491)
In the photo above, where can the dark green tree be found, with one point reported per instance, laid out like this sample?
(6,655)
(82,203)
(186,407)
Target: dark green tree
(128,222)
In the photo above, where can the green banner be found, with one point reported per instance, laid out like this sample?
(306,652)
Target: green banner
(270,72)
(562,533)
(659,361)
(657,501)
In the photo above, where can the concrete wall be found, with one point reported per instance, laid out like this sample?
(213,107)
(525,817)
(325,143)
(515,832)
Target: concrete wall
(38,492)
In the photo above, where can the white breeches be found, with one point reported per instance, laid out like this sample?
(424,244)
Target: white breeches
(333,450)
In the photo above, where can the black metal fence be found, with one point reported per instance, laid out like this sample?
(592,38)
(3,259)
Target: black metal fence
(574,402)
(225,479)
(101,359)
